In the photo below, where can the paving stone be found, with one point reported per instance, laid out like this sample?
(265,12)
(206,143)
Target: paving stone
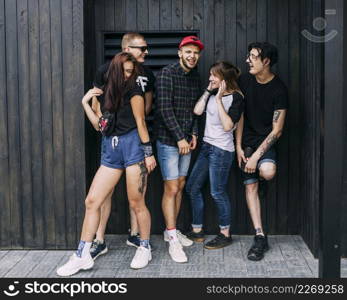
(9,261)
(25,265)
(48,264)
(256,269)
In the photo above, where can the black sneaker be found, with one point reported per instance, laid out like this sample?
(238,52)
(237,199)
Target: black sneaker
(259,247)
(98,249)
(219,241)
(198,237)
(134,241)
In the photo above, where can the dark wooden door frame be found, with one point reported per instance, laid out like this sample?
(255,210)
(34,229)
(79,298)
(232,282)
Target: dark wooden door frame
(331,147)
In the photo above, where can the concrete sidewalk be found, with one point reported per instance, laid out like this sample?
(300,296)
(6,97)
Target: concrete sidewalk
(287,257)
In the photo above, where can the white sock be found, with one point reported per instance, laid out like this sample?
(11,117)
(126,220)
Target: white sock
(172,235)
(86,249)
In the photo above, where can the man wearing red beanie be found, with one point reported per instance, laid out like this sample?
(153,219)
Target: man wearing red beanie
(178,89)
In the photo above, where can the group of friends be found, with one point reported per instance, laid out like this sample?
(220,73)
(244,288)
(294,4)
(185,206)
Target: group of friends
(251,106)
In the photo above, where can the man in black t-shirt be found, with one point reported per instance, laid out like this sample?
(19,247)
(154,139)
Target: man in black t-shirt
(266,102)
(135,44)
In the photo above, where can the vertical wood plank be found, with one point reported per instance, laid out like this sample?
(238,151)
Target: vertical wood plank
(99,26)
(131,15)
(283,146)
(165,14)
(16,226)
(78,113)
(55,207)
(120,15)
(251,21)
(154,19)
(46,113)
(5,201)
(271,200)
(261,20)
(142,15)
(294,116)
(230,31)
(70,139)
(25,136)
(241,51)
(109,18)
(177,14)
(188,14)
(219,40)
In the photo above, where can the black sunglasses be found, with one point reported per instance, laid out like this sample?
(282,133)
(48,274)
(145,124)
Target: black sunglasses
(142,48)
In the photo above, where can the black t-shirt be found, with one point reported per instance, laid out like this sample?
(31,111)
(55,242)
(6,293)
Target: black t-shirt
(124,117)
(261,100)
(145,80)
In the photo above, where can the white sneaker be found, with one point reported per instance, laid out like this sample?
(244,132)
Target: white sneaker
(75,264)
(181,237)
(141,259)
(176,252)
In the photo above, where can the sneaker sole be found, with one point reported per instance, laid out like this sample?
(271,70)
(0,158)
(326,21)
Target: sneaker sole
(218,247)
(73,273)
(131,244)
(167,240)
(101,253)
(180,262)
(198,240)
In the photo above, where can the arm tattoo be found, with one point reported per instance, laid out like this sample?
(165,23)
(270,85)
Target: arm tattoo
(143,177)
(270,140)
(276,116)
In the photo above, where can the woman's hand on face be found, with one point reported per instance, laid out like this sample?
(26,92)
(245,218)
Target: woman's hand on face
(210,86)
(150,163)
(221,89)
(94,92)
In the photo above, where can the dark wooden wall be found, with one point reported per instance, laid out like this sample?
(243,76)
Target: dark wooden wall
(344,184)
(42,163)
(226,28)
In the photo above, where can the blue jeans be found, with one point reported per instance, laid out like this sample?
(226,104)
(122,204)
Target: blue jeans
(172,164)
(215,163)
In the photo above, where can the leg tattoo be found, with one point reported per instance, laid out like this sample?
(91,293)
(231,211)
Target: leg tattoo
(143,177)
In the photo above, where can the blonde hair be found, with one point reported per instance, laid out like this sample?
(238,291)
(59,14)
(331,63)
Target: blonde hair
(130,36)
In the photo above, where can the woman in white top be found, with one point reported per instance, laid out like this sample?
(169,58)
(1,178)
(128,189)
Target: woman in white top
(223,111)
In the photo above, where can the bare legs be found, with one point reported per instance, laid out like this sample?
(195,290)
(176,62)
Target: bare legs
(267,171)
(172,198)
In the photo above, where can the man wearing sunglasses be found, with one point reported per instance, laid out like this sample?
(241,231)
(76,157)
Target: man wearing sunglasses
(261,125)
(135,44)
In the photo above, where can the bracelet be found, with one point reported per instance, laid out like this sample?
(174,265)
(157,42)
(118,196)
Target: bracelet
(147,149)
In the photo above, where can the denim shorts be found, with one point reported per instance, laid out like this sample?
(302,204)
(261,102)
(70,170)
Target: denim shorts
(269,156)
(172,164)
(120,152)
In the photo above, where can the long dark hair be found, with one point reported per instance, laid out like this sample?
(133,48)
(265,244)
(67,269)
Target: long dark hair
(116,84)
(228,72)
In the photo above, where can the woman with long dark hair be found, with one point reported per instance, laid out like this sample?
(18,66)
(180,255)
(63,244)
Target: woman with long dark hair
(223,111)
(125,146)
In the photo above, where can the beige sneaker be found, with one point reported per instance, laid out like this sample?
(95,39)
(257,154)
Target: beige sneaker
(75,264)
(142,257)
(181,237)
(176,252)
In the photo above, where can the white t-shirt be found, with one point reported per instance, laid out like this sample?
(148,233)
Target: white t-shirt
(214,132)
